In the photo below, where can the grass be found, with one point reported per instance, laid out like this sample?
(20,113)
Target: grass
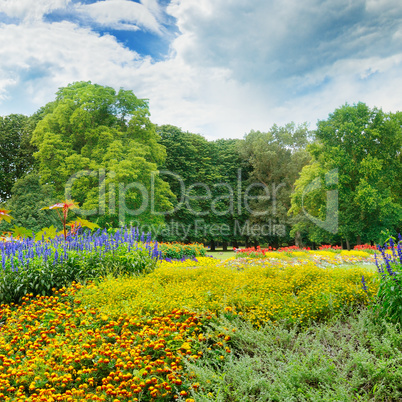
(222,255)
(370,267)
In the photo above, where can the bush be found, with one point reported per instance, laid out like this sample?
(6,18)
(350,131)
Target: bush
(178,251)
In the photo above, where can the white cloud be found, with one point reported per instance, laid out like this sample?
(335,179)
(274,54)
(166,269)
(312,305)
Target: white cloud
(59,54)
(30,10)
(233,67)
(124,14)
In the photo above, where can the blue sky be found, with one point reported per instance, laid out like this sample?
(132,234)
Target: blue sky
(216,67)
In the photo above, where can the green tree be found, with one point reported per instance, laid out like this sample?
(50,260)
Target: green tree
(191,165)
(208,179)
(235,172)
(109,139)
(276,158)
(364,145)
(16,152)
(28,197)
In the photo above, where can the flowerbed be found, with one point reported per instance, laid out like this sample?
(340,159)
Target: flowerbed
(133,338)
(178,251)
(260,252)
(36,267)
(320,257)
(52,349)
(254,289)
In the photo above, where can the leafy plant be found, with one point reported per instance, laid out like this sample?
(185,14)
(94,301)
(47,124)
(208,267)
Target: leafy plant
(65,206)
(21,232)
(389,305)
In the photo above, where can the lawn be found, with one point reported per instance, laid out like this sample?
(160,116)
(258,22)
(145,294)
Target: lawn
(222,255)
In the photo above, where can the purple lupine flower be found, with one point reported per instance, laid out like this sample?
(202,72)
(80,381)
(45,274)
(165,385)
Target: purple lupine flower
(399,249)
(3,259)
(56,257)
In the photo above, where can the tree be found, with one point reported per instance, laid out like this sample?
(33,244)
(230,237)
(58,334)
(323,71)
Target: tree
(235,172)
(101,146)
(28,197)
(276,158)
(363,147)
(191,163)
(16,152)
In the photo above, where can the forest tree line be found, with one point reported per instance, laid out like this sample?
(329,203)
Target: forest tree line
(338,184)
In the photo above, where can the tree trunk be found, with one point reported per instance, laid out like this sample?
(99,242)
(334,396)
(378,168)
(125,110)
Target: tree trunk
(212,245)
(235,244)
(359,240)
(298,240)
(225,246)
(347,244)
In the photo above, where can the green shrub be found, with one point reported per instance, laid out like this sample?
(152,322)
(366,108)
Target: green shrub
(180,250)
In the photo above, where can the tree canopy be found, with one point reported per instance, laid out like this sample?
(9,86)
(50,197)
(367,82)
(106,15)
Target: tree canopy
(29,196)
(108,140)
(16,152)
(339,183)
(364,146)
(276,158)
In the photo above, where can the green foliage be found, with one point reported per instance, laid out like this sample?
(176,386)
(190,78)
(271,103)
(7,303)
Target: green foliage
(20,232)
(109,138)
(190,157)
(215,165)
(16,152)
(390,296)
(389,303)
(5,215)
(28,197)
(46,233)
(100,146)
(39,278)
(276,157)
(364,145)
(351,358)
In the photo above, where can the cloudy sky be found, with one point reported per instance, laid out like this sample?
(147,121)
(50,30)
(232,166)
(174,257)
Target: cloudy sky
(215,67)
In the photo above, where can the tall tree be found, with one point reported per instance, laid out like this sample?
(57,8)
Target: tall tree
(276,158)
(363,147)
(234,174)
(103,145)
(191,163)
(16,152)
